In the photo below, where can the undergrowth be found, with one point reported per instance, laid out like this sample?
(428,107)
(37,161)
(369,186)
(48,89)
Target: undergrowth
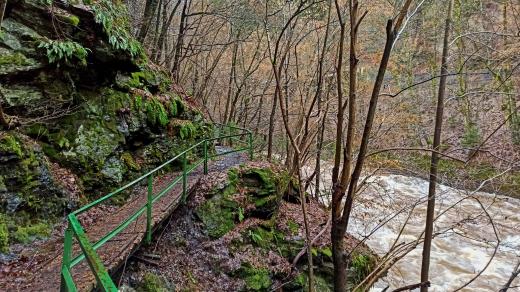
(112,15)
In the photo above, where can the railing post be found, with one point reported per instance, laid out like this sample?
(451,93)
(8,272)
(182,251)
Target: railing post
(205,156)
(250,138)
(149,198)
(184,177)
(67,254)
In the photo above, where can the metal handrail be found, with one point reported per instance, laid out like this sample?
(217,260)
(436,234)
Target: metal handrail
(75,229)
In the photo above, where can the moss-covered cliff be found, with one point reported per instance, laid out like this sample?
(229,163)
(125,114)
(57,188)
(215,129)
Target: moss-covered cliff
(84,109)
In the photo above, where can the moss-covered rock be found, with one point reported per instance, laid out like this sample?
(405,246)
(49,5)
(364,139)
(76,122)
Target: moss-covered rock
(219,215)
(28,184)
(256,279)
(264,189)
(11,62)
(153,283)
(28,233)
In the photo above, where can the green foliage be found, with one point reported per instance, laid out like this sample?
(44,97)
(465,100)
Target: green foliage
(26,234)
(113,16)
(293,227)
(218,215)
(74,20)
(267,238)
(361,265)
(152,283)
(138,102)
(471,137)
(240,214)
(129,161)
(9,145)
(187,130)
(4,234)
(256,237)
(156,113)
(63,142)
(174,110)
(257,279)
(45,2)
(65,51)
(326,252)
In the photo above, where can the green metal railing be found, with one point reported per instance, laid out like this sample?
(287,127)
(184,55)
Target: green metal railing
(88,249)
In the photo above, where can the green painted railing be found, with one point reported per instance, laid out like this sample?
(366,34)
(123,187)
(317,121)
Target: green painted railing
(75,230)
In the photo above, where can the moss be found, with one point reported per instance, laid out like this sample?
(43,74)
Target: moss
(4,234)
(25,234)
(301,283)
(360,266)
(17,59)
(174,109)
(256,279)
(270,238)
(152,283)
(218,215)
(129,161)
(156,113)
(187,130)
(267,238)
(10,145)
(293,227)
(74,20)
(92,146)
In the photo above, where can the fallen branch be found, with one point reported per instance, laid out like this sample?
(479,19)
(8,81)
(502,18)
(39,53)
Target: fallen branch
(313,241)
(413,286)
(146,261)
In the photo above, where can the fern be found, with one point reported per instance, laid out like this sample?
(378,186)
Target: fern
(187,130)
(66,51)
(113,17)
(173,108)
(138,102)
(156,113)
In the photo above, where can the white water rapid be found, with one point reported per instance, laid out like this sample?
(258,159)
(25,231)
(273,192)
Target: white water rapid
(469,227)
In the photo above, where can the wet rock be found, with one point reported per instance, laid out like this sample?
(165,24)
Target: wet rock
(114,170)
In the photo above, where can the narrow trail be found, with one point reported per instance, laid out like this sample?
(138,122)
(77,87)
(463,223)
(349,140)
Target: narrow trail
(40,271)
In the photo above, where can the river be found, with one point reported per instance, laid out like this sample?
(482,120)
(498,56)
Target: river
(470,225)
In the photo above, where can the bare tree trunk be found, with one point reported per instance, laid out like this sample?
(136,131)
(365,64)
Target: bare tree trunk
(341,216)
(161,40)
(232,72)
(149,11)
(180,41)
(430,212)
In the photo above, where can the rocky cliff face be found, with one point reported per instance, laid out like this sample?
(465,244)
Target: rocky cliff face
(83,109)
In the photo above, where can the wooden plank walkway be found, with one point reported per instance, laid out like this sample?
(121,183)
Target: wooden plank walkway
(114,253)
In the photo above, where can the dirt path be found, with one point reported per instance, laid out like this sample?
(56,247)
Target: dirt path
(40,270)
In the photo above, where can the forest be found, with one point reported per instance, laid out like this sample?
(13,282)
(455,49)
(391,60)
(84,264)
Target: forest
(247,145)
